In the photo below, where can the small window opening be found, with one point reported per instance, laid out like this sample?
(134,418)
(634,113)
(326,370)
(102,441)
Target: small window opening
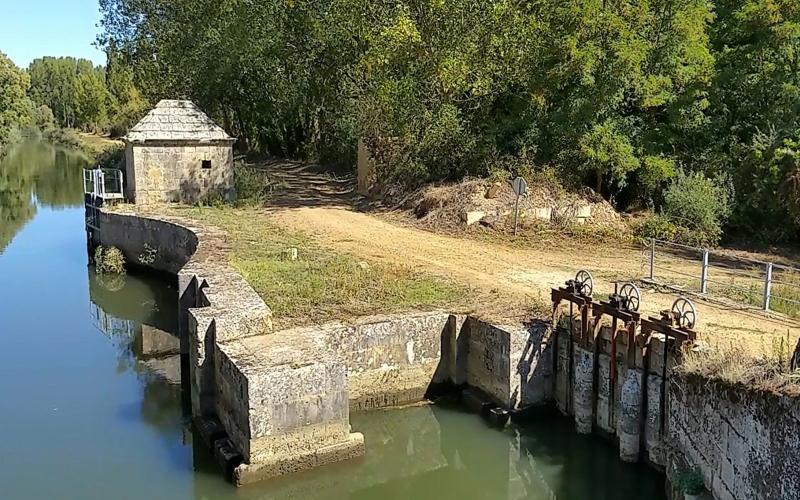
(206,163)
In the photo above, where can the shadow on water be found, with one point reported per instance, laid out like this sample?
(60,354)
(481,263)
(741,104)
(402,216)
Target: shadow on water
(439,451)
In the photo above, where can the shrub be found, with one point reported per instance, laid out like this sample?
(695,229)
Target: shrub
(113,157)
(62,137)
(252,185)
(698,206)
(657,226)
(109,260)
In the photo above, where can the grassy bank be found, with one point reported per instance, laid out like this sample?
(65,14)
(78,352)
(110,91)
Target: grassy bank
(95,145)
(320,284)
(736,366)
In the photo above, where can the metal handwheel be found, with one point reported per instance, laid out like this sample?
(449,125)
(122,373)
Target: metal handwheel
(584,283)
(684,312)
(631,297)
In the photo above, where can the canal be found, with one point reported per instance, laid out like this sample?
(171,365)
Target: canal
(93,407)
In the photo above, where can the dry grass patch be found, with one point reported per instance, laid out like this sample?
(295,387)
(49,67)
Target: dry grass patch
(320,284)
(735,365)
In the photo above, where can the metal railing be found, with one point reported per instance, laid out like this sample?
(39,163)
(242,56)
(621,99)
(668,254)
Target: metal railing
(106,183)
(770,286)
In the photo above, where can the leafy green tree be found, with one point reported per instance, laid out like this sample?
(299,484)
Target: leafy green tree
(15,108)
(73,89)
(617,95)
(91,101)
(755,112)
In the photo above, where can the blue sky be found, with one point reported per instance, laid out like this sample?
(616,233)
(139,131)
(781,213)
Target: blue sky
(35,28)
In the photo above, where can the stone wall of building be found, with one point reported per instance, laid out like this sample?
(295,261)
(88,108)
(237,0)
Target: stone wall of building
(169,172)
(746,443)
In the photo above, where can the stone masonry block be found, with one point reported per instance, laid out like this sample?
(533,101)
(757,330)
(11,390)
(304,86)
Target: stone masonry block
(281,395)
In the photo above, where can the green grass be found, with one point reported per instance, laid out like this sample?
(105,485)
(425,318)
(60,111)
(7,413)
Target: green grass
(94,145)
(320,285)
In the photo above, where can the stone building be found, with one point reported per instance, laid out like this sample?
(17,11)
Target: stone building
(176,153)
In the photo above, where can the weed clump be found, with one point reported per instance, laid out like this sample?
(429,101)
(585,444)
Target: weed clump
(109,260)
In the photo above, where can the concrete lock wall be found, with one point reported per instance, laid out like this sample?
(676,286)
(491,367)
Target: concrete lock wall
(277,402)
(167,172)
(621,404)
(745,442)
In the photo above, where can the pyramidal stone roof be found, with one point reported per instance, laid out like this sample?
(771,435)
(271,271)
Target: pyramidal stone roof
(176,121)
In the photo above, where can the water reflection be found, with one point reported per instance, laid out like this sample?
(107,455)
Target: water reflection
(139,316)
(429,451)
(444,453)
(36,169)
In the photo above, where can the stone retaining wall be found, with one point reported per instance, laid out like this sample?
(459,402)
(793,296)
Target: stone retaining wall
(283,399)
(746,443)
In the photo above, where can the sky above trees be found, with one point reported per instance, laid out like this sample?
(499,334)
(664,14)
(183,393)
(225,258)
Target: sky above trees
(36,28)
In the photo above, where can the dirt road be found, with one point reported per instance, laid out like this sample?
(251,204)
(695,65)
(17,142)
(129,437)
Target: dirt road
(325,209)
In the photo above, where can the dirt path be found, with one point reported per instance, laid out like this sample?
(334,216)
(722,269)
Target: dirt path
(326,211)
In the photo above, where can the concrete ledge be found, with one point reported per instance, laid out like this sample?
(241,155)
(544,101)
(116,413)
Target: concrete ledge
(353,447)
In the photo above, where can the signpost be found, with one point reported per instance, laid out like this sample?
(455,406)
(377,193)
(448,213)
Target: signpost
(521,189)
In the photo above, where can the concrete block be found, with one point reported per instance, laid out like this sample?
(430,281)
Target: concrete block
(564,391)
(282,395)
(652,430)
(543,213)
(584,212)
(473,217)
(605,416)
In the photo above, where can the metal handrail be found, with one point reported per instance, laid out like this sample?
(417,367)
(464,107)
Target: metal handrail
(96,182)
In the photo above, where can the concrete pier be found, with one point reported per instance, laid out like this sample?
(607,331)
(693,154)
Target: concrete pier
(606,392)
(653,431)
(564,361)
(584,390)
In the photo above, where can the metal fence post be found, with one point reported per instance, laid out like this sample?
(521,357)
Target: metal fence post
(767,286)
(704,272)
(652,258)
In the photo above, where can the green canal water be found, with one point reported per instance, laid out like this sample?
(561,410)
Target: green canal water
(92,404)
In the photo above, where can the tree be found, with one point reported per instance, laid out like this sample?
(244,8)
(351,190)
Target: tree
(91,101)
(72,88)
(619,95)
(15,108)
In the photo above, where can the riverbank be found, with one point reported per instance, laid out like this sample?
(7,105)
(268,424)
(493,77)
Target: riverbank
(95,145)
(307,282)
(91,395)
